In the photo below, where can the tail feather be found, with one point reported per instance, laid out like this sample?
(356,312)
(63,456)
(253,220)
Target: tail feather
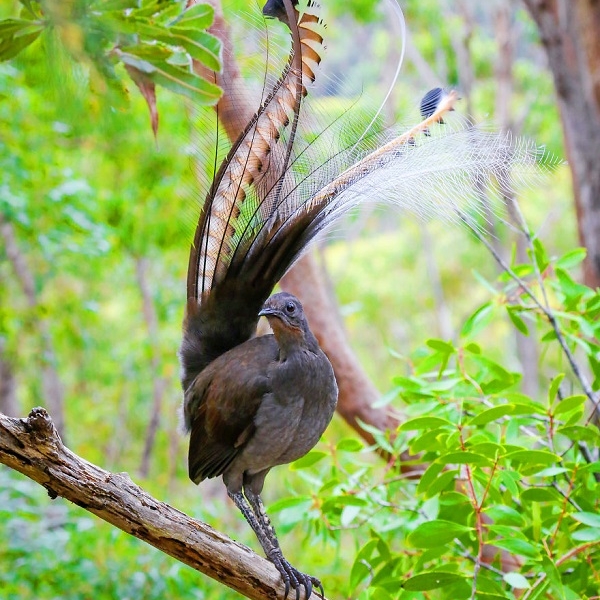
(275,192)
(250,163)
(221,313)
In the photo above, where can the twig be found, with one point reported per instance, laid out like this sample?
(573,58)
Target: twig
(549,315)
(594,399)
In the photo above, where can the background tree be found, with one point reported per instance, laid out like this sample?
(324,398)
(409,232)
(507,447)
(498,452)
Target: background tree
(570,35)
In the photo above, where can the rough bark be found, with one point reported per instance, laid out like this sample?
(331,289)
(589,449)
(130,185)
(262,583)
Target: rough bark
(570,34)
(357,392)
(32,447)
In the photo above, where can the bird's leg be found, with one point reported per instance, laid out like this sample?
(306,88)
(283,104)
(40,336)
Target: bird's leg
(267,541)
(296,578)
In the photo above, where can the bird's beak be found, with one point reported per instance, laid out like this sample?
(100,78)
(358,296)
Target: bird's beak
(267,311)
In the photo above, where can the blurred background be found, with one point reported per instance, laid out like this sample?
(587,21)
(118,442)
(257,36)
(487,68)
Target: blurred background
(96,219)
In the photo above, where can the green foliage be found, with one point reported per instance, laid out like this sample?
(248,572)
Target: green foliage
(505,494)
(51,547)
(155,40)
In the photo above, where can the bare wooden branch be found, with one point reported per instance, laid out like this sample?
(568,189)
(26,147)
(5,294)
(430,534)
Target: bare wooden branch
(33,447)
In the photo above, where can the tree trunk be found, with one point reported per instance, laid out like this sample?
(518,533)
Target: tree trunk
(570,34)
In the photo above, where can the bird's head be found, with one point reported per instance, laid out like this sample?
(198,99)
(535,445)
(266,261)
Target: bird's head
(286,318)
(285,308)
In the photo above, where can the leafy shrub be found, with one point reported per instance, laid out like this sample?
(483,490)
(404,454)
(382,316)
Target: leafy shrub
(500,499)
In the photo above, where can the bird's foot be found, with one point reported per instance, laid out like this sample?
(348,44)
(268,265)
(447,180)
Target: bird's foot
(294,579)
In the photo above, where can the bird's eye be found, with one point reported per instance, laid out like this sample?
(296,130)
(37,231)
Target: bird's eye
(290,307)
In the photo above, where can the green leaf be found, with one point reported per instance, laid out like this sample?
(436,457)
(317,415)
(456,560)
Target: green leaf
(579,433)
(477,320)
(587,518)
(540,494)
(429,476)
(178,80)
(349,445)
(588,534)
(505,515)
(473,348)
(517,546)
(445,480)
(516,580)
(572,258)
(570,288)
(516,320)
(292,502)
(405,383)
(308,460)
(492,414)
(537,457)
(198,16)
(436,533)
(10,47)
(10,27)
(464,458)
(346,500)
(201,46)
(488,449)
(552,472)
(119,5)
(387,398)
(540,255)
(429,441)
(431,580)
(362,563)
(441,346)
(425,423)
(554,388)
(569,403)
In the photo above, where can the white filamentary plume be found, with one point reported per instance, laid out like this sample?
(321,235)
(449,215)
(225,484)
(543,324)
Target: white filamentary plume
(399,16)
(447,174)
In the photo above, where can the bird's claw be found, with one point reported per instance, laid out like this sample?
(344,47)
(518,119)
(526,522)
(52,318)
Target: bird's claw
(294,579)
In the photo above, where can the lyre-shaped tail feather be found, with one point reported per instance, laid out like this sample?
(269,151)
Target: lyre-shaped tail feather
(273,195)
(223,309)
(432,176)
(251,165)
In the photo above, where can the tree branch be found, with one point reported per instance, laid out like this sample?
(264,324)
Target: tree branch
(33,447)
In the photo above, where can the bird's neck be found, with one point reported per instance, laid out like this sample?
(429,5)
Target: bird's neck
(292,341)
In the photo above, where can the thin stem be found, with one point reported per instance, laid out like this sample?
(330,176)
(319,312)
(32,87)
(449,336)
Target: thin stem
(549,315)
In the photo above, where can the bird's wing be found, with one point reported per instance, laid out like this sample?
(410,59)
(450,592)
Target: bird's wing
(222,402)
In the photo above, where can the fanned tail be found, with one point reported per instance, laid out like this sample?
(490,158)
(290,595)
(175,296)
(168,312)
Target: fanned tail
(274,194)
(222,312)
(442,175)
